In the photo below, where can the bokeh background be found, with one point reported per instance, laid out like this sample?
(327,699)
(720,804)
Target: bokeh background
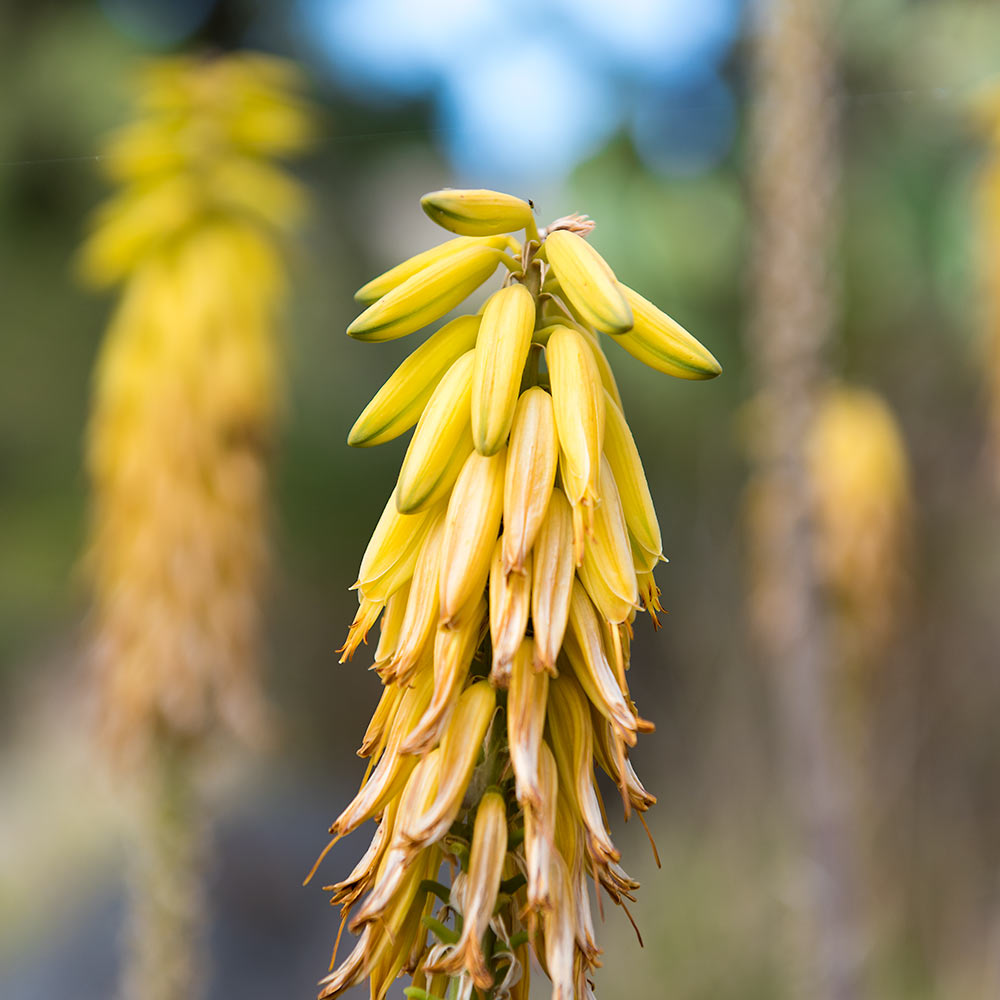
(635,113)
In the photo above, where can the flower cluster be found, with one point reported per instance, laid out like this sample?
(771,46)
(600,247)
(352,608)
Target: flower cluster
(185,390)
(507,568)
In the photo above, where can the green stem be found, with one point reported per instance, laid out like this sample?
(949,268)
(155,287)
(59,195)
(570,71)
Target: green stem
(511,263)
(163,957)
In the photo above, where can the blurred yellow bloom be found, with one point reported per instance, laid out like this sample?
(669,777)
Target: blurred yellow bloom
(186,391)
(521,537)
(861,486)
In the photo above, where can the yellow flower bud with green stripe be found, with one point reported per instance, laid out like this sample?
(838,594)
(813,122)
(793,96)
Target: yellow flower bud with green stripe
(398,404)
(426,295)
(477,213)
(441,442)
(663,344)
(630,479)
(385,283)
(587,281)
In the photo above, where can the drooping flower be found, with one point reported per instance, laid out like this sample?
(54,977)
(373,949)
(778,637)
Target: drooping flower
(508,567)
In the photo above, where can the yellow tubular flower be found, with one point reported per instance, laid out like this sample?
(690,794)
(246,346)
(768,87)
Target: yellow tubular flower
(627,472)
(385,283)
(398,404)
(501,350)
(509,562)
(578,406)
(510,605)
(186,392)
(532,459)
(588,282)
(440,443)
(470,531)
(553,580)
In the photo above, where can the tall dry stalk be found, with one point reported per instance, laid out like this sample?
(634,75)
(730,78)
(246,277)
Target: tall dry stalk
(795,177)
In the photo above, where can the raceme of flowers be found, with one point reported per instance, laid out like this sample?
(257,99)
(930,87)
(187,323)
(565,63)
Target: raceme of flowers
(507,568)
(186,390)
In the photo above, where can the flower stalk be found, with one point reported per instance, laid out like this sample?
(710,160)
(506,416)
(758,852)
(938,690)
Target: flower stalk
(506,569)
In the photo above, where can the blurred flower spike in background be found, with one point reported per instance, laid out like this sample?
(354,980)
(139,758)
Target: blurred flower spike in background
(186,389)
(185,401)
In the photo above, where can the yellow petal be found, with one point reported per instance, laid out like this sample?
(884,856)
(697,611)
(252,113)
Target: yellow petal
(440,443)
(552,580)
(454,649)
(486,858)
(501,350)
(393,537)
(526,699)
(471,527)
(531,470)
(421,612)
(510,604)
(460,749)
(578,406)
